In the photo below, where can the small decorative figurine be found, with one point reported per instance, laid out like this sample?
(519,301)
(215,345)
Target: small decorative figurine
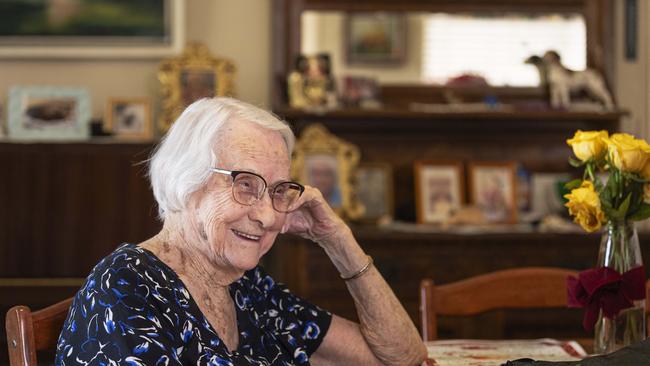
(561,81)
(311,84)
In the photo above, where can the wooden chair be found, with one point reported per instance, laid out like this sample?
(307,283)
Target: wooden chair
(530,287)
(29,332)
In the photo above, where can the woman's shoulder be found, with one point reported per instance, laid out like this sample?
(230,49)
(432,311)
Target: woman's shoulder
(129,265)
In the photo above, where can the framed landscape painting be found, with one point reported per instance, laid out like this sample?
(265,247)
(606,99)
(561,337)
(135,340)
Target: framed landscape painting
(375,38)
(91,28)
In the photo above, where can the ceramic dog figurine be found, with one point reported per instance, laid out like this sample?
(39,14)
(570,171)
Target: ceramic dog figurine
(561,81)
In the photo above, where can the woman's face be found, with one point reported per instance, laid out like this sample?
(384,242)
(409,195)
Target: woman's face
(237,235)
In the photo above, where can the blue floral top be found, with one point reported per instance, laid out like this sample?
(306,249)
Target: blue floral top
(134,310)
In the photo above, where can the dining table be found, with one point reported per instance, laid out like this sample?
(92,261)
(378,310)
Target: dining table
(475,352)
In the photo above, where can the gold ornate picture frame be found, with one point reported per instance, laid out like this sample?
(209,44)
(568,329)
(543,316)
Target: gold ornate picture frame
(193,75)
(328,163)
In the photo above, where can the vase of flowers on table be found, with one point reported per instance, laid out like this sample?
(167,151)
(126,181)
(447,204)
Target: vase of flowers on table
(611,196)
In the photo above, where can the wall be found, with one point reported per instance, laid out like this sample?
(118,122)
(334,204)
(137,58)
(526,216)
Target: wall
(239,30)
(632,78)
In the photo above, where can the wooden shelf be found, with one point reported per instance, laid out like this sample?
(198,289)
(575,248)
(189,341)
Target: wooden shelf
(472,124)
(500,115)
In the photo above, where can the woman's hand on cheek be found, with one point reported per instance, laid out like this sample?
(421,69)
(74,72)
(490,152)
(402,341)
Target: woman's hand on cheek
(315,220)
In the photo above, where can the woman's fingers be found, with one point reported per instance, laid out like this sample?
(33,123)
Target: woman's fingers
(311,216)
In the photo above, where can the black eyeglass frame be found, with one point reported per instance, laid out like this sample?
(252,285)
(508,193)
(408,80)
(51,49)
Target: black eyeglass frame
(234,173)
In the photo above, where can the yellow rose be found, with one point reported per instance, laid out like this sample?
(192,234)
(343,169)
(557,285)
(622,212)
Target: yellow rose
(589,144)
(584,206)
(645,172)
(628,153)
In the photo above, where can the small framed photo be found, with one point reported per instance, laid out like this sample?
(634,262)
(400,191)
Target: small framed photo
(360,92)
(378,38)
(375,191)
(129,117)
(439,190)
(48,113)
(493,188)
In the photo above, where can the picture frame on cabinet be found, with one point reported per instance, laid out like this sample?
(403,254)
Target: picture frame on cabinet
(328,163)
(374,182)
(193,75)
(129,118)
(439,190)
(92,29)
(375,38)
(493,189)
(48,113)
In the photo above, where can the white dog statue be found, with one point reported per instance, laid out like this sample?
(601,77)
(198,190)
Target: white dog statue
(562,81)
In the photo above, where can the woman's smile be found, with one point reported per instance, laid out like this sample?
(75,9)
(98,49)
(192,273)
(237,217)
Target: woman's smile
(246,235)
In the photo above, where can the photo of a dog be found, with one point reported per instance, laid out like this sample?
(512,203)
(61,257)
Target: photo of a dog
(561,81)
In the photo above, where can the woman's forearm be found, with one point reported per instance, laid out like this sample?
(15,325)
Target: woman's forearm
(385,325)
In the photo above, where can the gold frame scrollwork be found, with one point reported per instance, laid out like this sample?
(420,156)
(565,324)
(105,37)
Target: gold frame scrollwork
(195,58)
(316,140)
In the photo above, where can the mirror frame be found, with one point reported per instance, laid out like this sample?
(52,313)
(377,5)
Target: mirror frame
(287,32)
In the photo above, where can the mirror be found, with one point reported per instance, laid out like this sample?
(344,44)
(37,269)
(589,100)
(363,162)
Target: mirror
(443,48)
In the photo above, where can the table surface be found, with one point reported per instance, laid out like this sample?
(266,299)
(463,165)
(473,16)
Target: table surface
(474,352)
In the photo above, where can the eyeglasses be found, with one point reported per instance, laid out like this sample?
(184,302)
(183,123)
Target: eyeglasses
(248,188)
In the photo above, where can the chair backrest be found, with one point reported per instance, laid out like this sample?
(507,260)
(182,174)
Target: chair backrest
(530,287)
(29,332)
(647,308)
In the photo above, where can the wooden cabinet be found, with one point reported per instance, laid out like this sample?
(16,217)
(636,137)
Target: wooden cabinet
(63,206)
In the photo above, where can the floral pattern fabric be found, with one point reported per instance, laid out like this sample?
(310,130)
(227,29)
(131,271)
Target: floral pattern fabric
(134,310)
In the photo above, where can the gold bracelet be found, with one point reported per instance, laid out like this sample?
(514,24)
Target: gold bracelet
(361,271)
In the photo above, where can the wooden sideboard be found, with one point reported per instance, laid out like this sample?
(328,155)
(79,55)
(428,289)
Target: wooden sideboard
(404,258)
(63,206)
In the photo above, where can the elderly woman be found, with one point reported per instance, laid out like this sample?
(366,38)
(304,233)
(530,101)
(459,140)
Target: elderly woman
(195,293)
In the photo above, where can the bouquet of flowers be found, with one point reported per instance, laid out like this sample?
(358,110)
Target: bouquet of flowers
(626,160)
(613,191)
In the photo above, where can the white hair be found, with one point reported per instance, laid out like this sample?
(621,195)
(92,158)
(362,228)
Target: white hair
(179,166)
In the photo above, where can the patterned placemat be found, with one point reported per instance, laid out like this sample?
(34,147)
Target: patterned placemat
(474,352)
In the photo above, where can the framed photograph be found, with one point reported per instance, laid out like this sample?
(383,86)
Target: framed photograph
(91,28)
(375,191)
(129,117)
(547,193)
(193,75)
(328,163)
(375,38)
(439,190)
(360,92)
(48,113)
(493,188)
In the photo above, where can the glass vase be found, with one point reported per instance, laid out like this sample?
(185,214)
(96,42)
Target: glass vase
(619,250)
